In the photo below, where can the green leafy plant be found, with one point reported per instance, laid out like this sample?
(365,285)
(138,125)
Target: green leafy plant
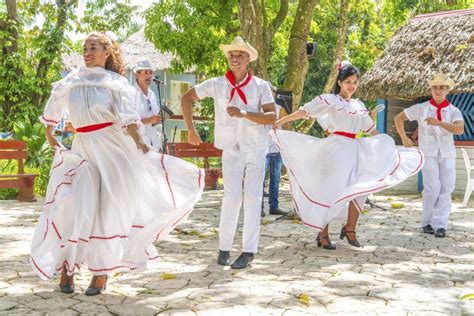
(34,136)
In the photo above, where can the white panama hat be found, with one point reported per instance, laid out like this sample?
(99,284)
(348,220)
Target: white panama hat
(441,79)
(240,45)
(144,64)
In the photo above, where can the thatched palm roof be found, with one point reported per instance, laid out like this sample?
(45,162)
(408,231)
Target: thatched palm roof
(134,49)
(137,48)
(426,45)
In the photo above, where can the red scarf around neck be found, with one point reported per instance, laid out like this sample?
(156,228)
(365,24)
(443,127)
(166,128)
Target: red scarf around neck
(230,76)
(443,104)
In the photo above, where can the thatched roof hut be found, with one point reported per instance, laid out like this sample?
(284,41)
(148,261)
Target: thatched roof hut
(427,44)
(134,49)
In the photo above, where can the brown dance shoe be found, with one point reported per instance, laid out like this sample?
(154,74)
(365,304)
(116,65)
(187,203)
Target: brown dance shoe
(97,285)
(66,283)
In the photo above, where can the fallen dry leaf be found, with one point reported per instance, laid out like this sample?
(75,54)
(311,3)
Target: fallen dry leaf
(398,205)
(168,276)
(304,298)
(469,296)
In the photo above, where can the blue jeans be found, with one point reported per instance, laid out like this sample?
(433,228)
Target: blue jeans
(273,167)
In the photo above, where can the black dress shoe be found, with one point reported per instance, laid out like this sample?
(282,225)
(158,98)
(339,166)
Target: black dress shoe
(93,289)
(242,261)
(262,213)
(428,229)
(353,242)
(440,232)
(66,285)
(329,246)
(277,211)
(223,258)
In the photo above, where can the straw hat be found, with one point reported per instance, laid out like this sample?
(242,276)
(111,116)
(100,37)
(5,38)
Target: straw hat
(441,79)
(142,65)
(239,44)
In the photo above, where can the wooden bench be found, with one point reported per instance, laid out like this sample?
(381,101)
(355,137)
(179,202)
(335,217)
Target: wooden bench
(17,150)
(206,151)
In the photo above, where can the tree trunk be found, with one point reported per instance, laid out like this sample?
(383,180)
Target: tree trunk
(297,57)
(339,46)
(52,49)
(258,31)
(12,26)
(10,56)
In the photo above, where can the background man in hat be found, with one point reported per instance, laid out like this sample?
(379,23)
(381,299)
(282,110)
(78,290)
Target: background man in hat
(147,106)
(437,120)
(244,108)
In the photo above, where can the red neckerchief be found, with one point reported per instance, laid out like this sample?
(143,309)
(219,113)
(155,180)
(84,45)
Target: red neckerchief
(443,104)
(230,76)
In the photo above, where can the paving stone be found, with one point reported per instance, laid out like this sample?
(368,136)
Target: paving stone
(399,271)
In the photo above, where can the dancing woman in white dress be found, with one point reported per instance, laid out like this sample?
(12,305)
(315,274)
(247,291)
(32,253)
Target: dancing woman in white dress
(331,177)
(107,202)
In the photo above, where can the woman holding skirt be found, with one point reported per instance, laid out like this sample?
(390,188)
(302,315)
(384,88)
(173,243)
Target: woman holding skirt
(331,178)
(107,201)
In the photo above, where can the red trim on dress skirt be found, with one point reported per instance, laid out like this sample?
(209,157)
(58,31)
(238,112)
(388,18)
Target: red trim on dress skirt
(48,120)
(56,191)
(65,262)
(369,129)
(298,211)
(56,230)
(114,268)
(304,193)
(62,159)
(106,238)
(47,228)
(73,169)
(167,178)
(175,223)
(420,164)
(39,269)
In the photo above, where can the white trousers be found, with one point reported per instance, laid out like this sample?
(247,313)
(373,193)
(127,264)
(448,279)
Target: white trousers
(439,178)
(242,171)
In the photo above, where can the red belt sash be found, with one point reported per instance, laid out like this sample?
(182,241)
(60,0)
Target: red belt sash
(348,135)
(93,127)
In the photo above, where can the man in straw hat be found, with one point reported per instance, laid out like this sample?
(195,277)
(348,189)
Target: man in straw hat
(147,106)
(244,108)
(437,120)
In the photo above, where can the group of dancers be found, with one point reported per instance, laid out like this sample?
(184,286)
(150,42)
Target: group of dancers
(110,197)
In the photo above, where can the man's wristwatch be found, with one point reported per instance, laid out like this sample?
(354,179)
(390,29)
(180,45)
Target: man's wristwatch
(243,112)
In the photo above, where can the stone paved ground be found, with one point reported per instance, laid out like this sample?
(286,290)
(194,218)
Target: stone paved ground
(399,271)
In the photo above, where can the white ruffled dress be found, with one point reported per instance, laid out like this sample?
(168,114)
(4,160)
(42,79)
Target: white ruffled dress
(326,174)
(106,201)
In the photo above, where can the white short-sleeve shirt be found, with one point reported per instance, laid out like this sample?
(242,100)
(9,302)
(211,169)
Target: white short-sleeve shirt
(434,139)
(231,131)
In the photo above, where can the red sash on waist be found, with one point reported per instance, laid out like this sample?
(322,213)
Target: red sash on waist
(348,135)
(93,127)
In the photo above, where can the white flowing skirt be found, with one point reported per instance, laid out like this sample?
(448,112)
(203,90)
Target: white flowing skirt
(107,203)
(326,174)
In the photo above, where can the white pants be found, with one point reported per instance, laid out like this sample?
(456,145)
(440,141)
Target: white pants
(439,177)
(241,170)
